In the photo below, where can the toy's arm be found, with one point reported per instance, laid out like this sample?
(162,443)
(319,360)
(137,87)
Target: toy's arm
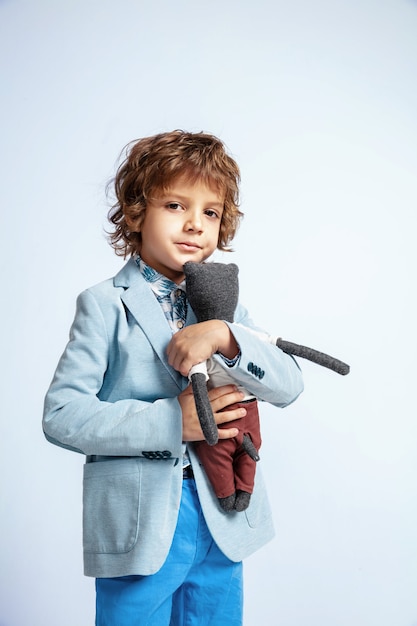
(313,355)
(295,349)
(198,377)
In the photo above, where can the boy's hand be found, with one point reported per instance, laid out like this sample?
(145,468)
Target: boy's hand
(198,342)
(220,397)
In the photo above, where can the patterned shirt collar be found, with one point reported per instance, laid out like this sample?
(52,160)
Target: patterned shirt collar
(170,295)
(161,285)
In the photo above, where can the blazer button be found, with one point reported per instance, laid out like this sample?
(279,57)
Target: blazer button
(157,455)
(255,370)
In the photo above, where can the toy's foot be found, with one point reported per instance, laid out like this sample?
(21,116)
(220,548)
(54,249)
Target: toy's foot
(238,501)
(242,500)
(228,504)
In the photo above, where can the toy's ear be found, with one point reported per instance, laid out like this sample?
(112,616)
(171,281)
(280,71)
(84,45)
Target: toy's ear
(212,289)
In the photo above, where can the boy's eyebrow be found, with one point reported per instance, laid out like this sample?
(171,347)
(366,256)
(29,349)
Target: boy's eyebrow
(169,195)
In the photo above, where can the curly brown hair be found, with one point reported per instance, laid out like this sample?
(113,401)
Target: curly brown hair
(152,164)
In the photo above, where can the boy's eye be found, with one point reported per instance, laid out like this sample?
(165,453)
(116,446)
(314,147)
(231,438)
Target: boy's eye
(212,213)
(174,205)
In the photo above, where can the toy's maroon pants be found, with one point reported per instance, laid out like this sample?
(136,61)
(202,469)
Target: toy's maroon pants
(227,465)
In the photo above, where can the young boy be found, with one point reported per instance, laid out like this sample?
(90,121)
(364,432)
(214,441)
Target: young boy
(161,549)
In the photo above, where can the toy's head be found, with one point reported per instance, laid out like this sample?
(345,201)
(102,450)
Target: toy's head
(212,290)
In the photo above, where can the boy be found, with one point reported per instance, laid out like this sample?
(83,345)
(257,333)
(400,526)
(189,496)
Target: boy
(161,549)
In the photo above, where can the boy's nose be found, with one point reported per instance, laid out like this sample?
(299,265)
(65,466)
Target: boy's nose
(193,221)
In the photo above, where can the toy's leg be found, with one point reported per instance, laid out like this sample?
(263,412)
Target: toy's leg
(245,465)
(218,464)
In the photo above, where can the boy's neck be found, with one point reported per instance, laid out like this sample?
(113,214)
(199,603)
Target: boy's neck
(176,281)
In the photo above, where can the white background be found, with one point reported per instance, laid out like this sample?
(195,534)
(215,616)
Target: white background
(317,101)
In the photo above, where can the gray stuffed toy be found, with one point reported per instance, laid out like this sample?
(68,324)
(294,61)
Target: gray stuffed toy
(212,291)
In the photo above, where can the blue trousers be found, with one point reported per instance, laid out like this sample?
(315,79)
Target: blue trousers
(197,585)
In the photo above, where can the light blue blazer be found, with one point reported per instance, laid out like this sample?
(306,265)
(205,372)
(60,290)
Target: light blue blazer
(114,399)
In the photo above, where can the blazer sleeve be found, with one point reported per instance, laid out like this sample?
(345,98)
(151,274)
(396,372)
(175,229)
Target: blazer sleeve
(262,368)
(75,417)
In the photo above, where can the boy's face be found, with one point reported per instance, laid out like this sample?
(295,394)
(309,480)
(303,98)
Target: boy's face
(180,225)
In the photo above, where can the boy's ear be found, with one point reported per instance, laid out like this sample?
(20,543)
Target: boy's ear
(133,224)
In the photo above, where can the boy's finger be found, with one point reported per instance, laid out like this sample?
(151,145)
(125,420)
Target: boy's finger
(226,401)
(229,416)
(228,433)
(219,392)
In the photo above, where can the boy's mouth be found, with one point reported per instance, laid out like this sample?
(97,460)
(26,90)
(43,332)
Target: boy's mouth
(188,246)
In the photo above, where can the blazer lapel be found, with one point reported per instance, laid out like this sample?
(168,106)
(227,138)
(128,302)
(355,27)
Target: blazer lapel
(147,311)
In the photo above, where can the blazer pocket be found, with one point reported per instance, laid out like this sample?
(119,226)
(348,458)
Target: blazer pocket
(111,505)
(259,510)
